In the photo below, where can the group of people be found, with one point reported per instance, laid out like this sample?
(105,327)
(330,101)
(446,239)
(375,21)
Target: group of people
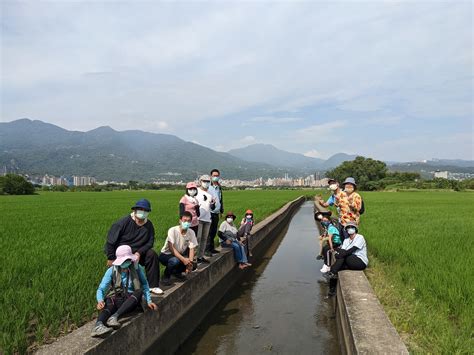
(341,245)
(134,266)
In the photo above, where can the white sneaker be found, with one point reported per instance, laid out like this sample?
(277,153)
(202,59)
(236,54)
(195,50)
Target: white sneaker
(157,291)
(325,269)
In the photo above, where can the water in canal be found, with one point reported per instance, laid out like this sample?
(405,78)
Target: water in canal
(278,307)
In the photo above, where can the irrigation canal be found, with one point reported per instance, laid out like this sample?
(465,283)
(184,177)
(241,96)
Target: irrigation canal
(278,307)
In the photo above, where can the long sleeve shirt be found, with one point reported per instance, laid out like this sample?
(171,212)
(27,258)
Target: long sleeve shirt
(126,232)
(216,192)
(107,281)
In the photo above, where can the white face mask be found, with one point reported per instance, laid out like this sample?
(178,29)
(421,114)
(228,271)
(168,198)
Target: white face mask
(351,231)
(349,189)
(141,214)
(192,192)
(333,187)
(230,220)
(205,185)
(249,216)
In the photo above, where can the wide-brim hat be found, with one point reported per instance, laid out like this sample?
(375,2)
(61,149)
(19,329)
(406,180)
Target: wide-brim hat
(322,214)
(205,178)
(350,180)
(331,180)
(123,253)
(142,204)
(230,214)
(249,212)
(352,224)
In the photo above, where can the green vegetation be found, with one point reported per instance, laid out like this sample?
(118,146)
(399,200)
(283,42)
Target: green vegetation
(422,252)
(53,256)
(373,175)
(12,184)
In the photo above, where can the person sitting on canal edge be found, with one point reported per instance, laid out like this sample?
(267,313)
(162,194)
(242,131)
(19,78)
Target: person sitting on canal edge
(137,231)
(352,255)
(245,228)
(178,251)
(228,238)
(332,238)
(120,291)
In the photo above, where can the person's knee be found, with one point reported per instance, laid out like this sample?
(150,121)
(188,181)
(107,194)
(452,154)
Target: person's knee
(174,261)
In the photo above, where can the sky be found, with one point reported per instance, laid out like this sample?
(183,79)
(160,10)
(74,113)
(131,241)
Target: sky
(392,80)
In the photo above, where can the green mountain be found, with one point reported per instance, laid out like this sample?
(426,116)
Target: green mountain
(36,147)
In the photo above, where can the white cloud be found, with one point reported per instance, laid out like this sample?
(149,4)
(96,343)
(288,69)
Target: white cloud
(313,153)
(271,120)
(323,132)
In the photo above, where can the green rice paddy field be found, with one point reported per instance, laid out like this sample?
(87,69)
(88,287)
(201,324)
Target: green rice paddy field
(52,253)
(421,263)
(421,247)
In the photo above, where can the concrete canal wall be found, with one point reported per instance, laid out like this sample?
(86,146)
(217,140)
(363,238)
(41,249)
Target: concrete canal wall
(183,306)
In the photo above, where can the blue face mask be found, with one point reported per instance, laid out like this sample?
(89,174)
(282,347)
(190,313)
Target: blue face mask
(325,223)
(185,225)
(215,178)
(126,264)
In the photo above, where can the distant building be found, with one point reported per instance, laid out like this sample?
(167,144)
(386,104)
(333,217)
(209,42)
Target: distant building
(83,180)
(441,174)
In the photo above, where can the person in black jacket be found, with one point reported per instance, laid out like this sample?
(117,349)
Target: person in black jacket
(137,231)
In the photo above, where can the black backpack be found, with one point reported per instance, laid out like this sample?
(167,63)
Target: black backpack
(362,207)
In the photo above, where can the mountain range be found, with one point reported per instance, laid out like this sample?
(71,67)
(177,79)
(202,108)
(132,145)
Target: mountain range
(36,147)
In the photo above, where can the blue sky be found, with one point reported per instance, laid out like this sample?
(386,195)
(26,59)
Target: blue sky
(391,80)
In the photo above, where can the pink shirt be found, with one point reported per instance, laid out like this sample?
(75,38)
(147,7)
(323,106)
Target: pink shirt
(190,204)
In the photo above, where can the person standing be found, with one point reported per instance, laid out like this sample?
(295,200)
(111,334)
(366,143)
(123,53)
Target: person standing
(190,204)
(216,191)
(137,231)
(206,205)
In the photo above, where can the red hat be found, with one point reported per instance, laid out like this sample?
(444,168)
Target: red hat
(230,214)
(249,212)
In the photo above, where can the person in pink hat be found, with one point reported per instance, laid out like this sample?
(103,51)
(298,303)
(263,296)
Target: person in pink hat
(120,291)
(189,203)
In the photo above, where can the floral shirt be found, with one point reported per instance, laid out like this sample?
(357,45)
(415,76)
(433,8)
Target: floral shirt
(348,207)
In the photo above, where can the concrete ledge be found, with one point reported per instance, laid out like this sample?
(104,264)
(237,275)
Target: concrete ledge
(182,307)
(362,324)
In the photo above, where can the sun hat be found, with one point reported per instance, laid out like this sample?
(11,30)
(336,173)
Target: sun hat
(322,214)
(351,224)
(230,214)
(191,185)
(331,180)
(124,252)
(249,212)
(350,180)
(142,204)
(204,178)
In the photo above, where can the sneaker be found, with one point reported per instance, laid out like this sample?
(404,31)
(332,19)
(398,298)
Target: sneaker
(157,291)
(165,281)
(325,269)
(100,330)
(113,322)
(319,257)
(215,251)
(203,260)
(208,254)
(332,275)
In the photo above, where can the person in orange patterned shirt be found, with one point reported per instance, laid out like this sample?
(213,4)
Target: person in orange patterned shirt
(349,202)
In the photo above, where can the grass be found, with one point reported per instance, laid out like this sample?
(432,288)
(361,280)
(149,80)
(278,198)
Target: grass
(421,260)
(52,253)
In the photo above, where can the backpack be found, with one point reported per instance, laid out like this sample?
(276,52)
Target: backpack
(362,207)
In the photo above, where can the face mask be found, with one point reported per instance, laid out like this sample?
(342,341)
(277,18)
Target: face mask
(349,189)
(249,216)
(192,192)
(325,223)
(205,185)
(215,178)
(126,264)
(230,220)
(185,225)
(141,214)
(333,187)
(351,231)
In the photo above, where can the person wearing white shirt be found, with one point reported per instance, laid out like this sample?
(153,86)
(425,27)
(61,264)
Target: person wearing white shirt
(177,253)
(206,205)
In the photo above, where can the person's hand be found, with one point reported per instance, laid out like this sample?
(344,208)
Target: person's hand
(332,250)
(189,267)
(100,305)
(137,255)
(186,261)
(228,242)
(109,263)
(152,306)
